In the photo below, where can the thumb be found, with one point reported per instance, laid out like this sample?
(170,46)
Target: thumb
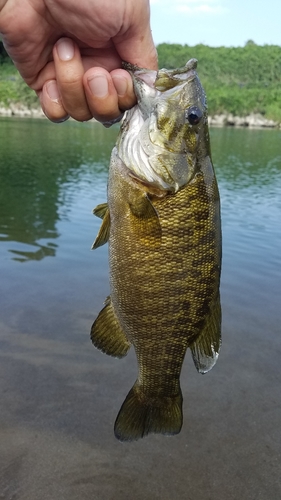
(134,43)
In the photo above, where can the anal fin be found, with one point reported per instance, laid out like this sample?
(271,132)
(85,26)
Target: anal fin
(205,350)
(107,334)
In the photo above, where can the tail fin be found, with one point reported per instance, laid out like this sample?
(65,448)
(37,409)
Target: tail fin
(140,415)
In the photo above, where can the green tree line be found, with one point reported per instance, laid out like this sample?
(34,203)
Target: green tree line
(12,87)
(237,80)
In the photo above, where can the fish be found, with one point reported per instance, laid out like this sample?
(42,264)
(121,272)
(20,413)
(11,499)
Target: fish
(163,226)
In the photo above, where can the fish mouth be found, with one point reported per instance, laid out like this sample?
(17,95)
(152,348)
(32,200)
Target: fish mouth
(161,80)
(147,76)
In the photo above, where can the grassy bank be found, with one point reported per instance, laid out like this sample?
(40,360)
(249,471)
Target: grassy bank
(12,87)
(237,80)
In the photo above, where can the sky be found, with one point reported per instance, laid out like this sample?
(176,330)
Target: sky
(216,22)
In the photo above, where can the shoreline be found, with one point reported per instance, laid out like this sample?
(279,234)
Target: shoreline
(20,110)
(254,120)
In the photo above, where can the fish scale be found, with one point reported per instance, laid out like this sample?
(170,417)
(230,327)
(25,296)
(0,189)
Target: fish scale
(165,258)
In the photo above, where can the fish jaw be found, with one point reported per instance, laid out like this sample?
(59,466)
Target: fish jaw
(156,141)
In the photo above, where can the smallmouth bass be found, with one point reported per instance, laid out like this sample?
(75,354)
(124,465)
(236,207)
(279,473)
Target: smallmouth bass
(162,222)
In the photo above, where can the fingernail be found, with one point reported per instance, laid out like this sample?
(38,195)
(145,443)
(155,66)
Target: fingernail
(61,120)
(98,85)
(120,84)
(109,123)
(65,48)
(53,91)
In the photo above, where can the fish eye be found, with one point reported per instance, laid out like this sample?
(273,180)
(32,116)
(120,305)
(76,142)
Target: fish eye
(193,115)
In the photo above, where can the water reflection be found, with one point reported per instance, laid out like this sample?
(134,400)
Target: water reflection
(59,396)
(248,167)
(246,158)
(46,171)
(42,168)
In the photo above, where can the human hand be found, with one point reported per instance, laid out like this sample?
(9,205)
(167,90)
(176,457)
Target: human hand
(70,52)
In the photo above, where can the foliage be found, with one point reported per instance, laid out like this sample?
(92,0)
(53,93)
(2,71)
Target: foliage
(13,88)
(238,80)
(3,54)
(27,96)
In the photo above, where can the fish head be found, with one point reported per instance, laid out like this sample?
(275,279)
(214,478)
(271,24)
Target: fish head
(164,135)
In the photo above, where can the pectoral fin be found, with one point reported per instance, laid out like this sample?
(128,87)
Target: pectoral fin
(102,212)
(147,221)
(107,334)
(205,350)
(141,205)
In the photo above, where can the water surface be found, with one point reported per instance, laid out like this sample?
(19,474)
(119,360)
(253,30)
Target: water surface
(60,396)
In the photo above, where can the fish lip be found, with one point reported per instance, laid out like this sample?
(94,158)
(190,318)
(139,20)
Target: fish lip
(150,77)
(145,76)
(141,77)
